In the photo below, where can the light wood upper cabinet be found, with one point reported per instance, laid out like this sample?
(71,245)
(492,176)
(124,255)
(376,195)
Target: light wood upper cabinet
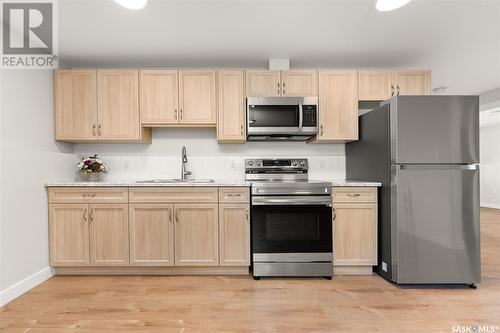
(355,234)
(196,235)
(151,235)
(299,83)
(234,231)
(197,100)
(231,106)
(378,85)
(118,104)
(69,234)
(75,104)
(375,85)
(109,235)
(263,83)
(338,106)
(159,97)
(412,82)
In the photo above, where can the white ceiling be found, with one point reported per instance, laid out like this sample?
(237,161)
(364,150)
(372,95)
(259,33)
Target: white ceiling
(458,39)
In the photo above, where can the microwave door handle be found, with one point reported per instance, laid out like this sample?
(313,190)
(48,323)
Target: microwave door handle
(301,117)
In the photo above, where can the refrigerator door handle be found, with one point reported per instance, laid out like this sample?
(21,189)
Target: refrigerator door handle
(438,166)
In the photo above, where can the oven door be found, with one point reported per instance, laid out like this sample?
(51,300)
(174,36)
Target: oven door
(283,228)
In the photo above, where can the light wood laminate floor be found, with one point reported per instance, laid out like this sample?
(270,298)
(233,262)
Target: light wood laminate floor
(240,304)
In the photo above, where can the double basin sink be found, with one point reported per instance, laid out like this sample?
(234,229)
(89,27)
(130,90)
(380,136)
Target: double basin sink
(177,181)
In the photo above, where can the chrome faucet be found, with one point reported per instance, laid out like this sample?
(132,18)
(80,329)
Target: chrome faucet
(184,172)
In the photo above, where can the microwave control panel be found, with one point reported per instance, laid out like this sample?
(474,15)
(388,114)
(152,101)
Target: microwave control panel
(309,116)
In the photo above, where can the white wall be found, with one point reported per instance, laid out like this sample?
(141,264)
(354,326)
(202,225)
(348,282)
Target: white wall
(490,165)
(207,158)
(29,158)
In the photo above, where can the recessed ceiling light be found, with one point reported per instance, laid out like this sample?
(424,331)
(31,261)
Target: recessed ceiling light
(132,4)
(386,5)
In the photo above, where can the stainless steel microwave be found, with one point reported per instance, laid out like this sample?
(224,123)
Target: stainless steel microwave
(281,118)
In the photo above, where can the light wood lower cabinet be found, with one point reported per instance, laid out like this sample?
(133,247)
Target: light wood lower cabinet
(150,226)
(69,234)
(354,230)
(234,233)
(196,235)
(151,235)
(109,236)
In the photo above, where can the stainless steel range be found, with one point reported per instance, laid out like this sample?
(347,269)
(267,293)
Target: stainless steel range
(291,219)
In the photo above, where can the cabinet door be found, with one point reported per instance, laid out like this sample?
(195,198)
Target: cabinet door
(197,101)
(151,235)
(75,105)
(355,234)
(234,233)
(263,83)
(338,105)
(109,237)
(412,82)
(118,104)
(159,98)
(196,235)
(375,85)
(299,83)
(69,234)
(231,110)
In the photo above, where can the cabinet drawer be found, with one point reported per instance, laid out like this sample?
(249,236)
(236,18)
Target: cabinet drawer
(354,194)
(234,194)
(88,195)
(174,194)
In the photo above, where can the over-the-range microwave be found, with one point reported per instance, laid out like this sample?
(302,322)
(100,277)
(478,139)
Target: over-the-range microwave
(281,118)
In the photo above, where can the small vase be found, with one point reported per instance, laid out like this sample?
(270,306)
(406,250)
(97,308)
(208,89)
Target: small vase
(91,176)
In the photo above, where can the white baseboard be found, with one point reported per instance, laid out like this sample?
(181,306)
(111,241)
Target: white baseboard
(23,286)
(490,205)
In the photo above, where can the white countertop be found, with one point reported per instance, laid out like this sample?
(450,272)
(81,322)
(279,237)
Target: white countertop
(216,183)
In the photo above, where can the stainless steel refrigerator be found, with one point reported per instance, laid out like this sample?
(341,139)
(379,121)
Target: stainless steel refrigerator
(425,151)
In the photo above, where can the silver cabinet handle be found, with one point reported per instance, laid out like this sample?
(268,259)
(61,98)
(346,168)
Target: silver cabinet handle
(353,195)
(91,215)
(85,217)
(181,114)
(233,195)
(99,130)
(175,114)
(248,215)
(392,90)
(278,88)
(334,214)
(93,130)
(170,215)
(321,130)
(177,215)
(398,89)
(241,130)
(284,89)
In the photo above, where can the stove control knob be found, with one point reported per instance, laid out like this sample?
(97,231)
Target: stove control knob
(250,163)
(294,163)
(258,163)
(302,163)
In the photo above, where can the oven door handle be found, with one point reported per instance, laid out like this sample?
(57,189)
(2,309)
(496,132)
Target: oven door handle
(292,200)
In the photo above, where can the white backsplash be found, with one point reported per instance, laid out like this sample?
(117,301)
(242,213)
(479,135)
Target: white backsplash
(207,158)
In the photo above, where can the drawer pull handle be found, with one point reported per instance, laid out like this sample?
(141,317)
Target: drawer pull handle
(353,195)
(233,195)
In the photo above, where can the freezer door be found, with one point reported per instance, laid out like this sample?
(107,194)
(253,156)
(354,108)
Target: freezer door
(436,224)
(435,129)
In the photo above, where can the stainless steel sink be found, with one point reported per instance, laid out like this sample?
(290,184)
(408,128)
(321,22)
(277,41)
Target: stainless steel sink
(173,181)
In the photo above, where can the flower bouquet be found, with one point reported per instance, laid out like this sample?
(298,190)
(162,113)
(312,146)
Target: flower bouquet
(92,167)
